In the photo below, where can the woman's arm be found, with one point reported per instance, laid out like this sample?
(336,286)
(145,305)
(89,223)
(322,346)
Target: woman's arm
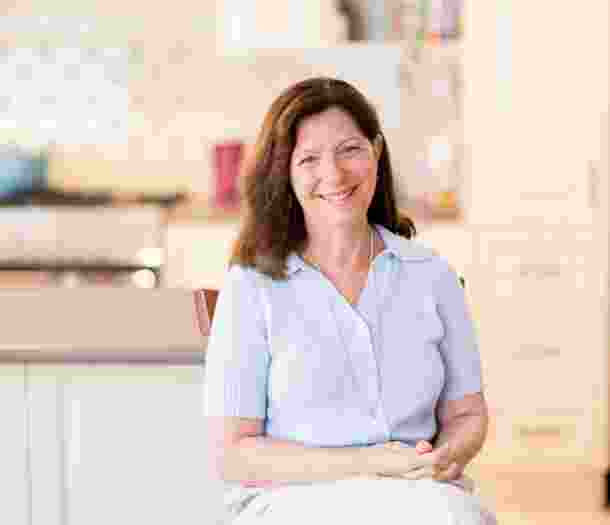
(463,425)
(242,453)
(461,410)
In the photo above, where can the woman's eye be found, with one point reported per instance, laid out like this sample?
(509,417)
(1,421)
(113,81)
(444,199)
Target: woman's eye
(307,160)
(351,149)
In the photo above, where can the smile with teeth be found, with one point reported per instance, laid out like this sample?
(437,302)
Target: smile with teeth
(336,197)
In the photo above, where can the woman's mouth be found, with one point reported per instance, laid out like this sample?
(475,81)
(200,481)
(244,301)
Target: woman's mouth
(338,197)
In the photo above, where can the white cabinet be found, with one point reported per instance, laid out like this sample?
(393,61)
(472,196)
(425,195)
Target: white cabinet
(120,444)
(536,77)
(46,440)
(536,128)
(14,457)
(540,297)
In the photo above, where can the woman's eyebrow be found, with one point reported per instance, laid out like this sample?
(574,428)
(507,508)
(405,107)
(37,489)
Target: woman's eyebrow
(355,137)
(315,150)
(306,150)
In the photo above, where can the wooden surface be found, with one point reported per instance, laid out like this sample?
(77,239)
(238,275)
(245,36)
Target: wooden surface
(105,325)
(547,495)
(554,518)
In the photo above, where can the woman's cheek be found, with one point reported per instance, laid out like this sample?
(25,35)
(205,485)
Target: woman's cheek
(306,191)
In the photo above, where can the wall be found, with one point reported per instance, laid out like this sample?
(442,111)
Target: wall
(183,97)
(189,92)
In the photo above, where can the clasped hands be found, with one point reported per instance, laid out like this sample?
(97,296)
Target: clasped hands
(423,461)
(394,460)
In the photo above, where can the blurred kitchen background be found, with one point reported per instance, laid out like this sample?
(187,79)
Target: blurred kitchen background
(122,131)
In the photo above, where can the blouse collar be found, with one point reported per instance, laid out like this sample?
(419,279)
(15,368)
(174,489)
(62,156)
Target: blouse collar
(407,250)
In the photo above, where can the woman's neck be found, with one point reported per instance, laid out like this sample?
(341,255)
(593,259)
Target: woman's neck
(338,250)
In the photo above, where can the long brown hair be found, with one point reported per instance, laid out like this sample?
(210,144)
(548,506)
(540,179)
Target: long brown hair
(274,224)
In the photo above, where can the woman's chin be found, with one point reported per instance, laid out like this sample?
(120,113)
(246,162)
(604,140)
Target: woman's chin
(330,216)
(343,218)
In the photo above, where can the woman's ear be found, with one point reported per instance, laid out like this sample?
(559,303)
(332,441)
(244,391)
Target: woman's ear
(378,145)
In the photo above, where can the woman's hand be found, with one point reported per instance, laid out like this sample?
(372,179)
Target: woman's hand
(449,471)
(396,460)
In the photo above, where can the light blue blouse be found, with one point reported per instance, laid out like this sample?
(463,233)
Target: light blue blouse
(322,372)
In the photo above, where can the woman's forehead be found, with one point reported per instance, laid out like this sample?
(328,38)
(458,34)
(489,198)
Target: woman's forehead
(331,126)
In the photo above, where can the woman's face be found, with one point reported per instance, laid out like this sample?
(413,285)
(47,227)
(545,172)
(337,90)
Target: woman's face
(333,168)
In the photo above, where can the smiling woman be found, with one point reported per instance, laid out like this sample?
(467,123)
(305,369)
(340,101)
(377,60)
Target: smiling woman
(320,139)
(342,370)
(333,162)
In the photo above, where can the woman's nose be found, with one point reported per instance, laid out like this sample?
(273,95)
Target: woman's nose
(332,169)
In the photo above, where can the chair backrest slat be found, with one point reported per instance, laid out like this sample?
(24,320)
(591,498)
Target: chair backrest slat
(205,304)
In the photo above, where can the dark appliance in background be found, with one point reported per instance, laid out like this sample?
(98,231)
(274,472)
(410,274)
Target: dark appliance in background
(55,238)
(76,246)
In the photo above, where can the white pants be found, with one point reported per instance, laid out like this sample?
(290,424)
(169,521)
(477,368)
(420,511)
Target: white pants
(367,501)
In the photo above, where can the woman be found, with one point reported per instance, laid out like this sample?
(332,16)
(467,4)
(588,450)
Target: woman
(342,373)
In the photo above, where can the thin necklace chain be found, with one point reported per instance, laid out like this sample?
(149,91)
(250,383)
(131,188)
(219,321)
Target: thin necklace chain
(371,249)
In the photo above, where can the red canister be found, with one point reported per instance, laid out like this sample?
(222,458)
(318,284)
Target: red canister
(227,160)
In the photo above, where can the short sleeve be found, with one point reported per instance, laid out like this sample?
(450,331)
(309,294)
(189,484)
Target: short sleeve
(459,346)
(237,357)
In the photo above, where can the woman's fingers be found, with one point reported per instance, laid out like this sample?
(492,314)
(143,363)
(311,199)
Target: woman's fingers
(452,472)
(436,463)
(439,457)
(420,473)
(414,458)
(423,446)
(407,456)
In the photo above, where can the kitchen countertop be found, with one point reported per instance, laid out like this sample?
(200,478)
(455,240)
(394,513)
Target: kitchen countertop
(109,325)
(71,355)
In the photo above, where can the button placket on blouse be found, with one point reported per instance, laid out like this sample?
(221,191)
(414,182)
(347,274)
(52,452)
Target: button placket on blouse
(358,349)
(365,364)
(370,372)
(368,364)
(370,305)
(363,361)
